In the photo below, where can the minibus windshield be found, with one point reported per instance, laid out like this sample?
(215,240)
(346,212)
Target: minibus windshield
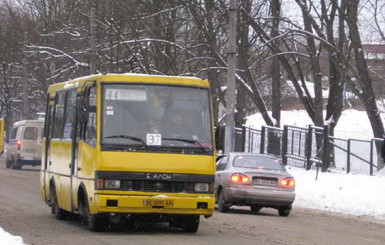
(156,116)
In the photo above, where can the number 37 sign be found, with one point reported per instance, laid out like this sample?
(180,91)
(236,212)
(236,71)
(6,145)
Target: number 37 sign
(154,139)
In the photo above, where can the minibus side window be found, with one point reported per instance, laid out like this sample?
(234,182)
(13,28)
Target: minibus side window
(58,124)
(69,114)
(90,136)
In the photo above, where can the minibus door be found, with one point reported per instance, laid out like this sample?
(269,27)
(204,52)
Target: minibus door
(46,149)
(74,156)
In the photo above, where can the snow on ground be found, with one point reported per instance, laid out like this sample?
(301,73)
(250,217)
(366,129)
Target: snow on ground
(333,191)
(352,123)
(357,195)
(336,191)
(8,239)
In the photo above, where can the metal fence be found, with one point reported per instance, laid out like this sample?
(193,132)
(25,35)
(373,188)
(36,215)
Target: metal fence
(251,139)
(309,147)
(356,155)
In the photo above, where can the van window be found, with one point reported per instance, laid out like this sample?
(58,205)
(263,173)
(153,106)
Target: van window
(13,133)
(30,133)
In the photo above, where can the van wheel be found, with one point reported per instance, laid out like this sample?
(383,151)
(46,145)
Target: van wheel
(93,221)
(59,213)
(16,164)
(190,223)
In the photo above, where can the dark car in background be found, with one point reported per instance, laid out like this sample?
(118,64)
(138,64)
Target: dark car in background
(255,180)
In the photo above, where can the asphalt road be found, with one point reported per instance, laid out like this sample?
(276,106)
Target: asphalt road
(23,213)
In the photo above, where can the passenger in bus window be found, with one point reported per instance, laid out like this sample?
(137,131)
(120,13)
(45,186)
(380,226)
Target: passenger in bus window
(180,125)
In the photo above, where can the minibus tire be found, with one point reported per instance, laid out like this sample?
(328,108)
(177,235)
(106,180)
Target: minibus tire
(59,213)
(93,221)
(190,223)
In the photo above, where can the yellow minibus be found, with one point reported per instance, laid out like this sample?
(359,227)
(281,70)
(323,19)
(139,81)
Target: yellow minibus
(129,147)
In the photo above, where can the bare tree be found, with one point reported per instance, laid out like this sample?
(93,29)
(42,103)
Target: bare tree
(367,94)
(275,6)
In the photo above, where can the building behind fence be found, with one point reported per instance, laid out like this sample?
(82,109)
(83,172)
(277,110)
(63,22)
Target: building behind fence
(308,147)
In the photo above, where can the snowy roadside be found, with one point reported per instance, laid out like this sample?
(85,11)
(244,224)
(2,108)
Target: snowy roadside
(8,239)
(352,194)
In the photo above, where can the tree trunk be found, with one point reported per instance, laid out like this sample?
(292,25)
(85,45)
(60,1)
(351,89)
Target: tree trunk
(243,61)
(369,99)
(275,70)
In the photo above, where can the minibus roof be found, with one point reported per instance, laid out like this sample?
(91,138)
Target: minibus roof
(133,78)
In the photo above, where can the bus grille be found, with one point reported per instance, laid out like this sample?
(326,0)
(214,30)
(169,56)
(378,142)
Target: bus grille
(157,186)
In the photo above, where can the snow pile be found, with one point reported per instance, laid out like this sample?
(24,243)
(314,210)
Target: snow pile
(357,195)
(6,238)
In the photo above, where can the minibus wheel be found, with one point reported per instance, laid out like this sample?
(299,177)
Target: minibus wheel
(93,221)
(190,223)
(59,213)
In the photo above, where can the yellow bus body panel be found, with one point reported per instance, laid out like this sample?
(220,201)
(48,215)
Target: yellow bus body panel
(156,162)
(61,155)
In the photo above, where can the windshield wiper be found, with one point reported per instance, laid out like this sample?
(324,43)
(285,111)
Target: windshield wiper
(122,136)
(188,141)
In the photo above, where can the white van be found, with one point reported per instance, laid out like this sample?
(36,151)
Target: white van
(24,145)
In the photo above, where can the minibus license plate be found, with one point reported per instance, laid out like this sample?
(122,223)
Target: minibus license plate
(158,203)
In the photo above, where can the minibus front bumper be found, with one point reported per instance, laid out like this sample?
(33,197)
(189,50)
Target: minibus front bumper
(161,204)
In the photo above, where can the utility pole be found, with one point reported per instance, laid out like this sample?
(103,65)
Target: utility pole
(25,80)
(110,33)
(231,65)
(92,41)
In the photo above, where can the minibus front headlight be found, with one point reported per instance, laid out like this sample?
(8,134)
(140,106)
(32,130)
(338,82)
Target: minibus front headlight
(112,184)
(201,187)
